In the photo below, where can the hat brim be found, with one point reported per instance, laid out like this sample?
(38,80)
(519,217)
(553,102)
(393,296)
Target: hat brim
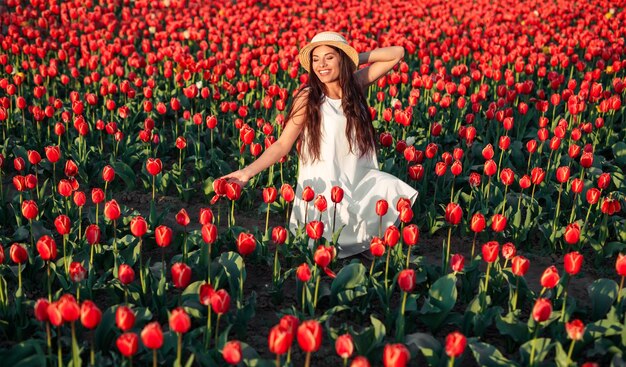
(305,53)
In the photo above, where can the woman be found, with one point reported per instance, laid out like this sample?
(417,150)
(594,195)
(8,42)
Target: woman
(332,120)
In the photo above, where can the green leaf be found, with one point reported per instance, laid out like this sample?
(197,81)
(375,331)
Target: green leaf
(511,326)
(487,355)
(369,338)
(561,356)
(233,267)
(619,152)
(441,299)
(126,174)
(542,348)
(602,293)
(349,284)
(427,345)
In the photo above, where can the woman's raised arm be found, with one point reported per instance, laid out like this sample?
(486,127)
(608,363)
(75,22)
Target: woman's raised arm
(279,149)
(381,60)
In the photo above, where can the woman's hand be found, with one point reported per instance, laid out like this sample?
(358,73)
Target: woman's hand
(240,177)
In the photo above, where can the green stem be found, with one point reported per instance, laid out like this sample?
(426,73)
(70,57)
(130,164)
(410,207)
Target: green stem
(486,284)
(267,219)
(474,244)
(179,350)
(571,349)
(217,328)
(207,335)
(59,352)
(142,280)
(49,283)
(275,275)
(558,207)
(154,358)
(619,292)
(514,301)
(451,362)
(74,346)
(532,349)
(408,256)
(387,271)
(307,362)
(317,284)
(445,264)
(19,278)
(66,265)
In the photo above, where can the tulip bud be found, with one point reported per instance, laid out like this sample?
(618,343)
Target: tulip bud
(152,335)
(550,277)
(542,310)
(455,344)
(309,336)
(232,352)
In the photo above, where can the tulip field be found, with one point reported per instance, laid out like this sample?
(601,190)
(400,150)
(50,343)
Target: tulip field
(121,245)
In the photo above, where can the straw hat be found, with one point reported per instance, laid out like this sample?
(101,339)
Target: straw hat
(328,39)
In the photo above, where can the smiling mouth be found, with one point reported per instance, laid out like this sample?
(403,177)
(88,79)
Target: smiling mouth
(324,72)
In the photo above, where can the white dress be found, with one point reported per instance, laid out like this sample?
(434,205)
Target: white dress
(361,180)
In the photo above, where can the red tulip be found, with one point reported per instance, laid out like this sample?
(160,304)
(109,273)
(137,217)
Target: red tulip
(90,314)
(108,173)
(455,344)
(308,194)
(474,179)
(246,243)
(406,214)
(498,222)
(524,182)
(537,175)
(508,250)
(97,195)
(41,309)
(572,233)
(79,198)
(92,234)
(490,168)
(154,166)
(454,214)
(29,209)
(205,293)
(396,355)
(152,335)
(457,262)
(206,216)
(572,262)
(323,256)
(604,180)
(182,218)
(575,329)
(303,272)
(477,223)
(77,272)
(138,226)
(70,311)
(592,196)
(577,185)
(127,344)
(610,206)
(209,233)
(542,309)
(360,361)
(344,346)
(488,152)
(456,168)
(562,174)
(232,352)
(47,248)
(336,194)
(519,265)
(309,336)
(34,157)
(315,229)
(286,191)
(381,207)
(620,265)
(124,318)
(54,314)
(233,191)
(53,153)
(179,321)
(279,235)
(403,203)
(586,159)
(112,210)
(220,301)
(410,234)
(280,339)
(550,277)
(71,169)
(181,275)
(320,203)
(64,188)
(377,247)
(507,176)
(392,236)
(125,274)
(490,251)
(18,253)
(269,195)
(407,280)
(163,235)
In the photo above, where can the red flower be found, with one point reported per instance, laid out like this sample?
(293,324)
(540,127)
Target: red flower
(127,344)
(620,265)
(246,243)
(163,235)
(179,321)
(381,207)
(79,198)
(406,214)
(138,226)
(457,262)
(610,206)
(232,352)
(507,176)
(586,159)
(233,191)
(125,274)
(41,309)
(498,222)
(18,253)
(542,309)
(308,194)
(124,318)
(360,361)
(315,229)
(377,247)
(309,336)
(403,203)
(152,335)
(524,182)
(490,251)
(112,210)
(320,203)
(64,188)
(47,248)
(410,234)
(520,265)
(537,175)
(92,234)
(323,256)
(454,214)
(508,250)
(181,275)
(206,216)
(575,329)
(286,191)
(53,153)
(108,173)
(396,355)
(70,311)
(182,218)
(97,195)
(550,277)
(455,344)
(34,157)
(488,152)
(269,195)
(572,233)
(220,301)
(604,180)
(592,196)
(77,272)
(490,168)
(280,339)
(477,223)
(303,272)
(154,166)
(407,280)
(54,314)
(90,314)
(344,346)
(279,235)
(572,262)
(209,233)
(562,174)
(392,236)
(474,179)
(29,209)
(336,194)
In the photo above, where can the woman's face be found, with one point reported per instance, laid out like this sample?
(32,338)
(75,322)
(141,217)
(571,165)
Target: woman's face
(326,64)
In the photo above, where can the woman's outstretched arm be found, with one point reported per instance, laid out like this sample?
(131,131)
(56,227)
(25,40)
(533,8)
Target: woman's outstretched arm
(279,149)
(380,61)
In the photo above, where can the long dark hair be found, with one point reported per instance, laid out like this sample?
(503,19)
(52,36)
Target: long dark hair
(359,129)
